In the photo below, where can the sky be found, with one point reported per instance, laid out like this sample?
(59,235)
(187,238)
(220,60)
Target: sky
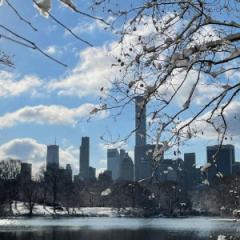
(42,100)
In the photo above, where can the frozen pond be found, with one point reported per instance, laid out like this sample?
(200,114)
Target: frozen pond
(116,228)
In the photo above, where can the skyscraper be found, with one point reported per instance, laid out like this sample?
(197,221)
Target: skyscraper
(221,162)
(113,162)
(140,121)
(126,168)
(84,158)
(189,167)
(143,161)
(68,173)
(92,173)
(143,152)
(25,172)
(52,157)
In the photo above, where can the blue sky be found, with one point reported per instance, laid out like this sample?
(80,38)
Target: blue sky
(41,100)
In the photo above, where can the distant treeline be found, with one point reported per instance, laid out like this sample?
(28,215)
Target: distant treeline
(168,198)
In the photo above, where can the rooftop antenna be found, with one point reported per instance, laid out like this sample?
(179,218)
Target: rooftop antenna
(55,141)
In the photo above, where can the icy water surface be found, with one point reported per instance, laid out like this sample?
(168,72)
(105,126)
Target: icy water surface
(116,229)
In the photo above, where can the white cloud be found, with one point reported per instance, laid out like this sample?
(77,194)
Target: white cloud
(53,114)
(93,72)
(97,67)
(13,85)
(85,28)
(53,50)
(118,145)
(204,91)
(231,115)
(31,151)
(90,27)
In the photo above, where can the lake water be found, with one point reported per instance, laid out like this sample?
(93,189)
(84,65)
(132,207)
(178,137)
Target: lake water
(116,229)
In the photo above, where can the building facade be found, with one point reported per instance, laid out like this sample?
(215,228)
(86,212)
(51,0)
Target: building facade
(52,157)
(140,121)
(25,172)
(189,168)
(221,160)
(84,158)
(126,168)
(113,163)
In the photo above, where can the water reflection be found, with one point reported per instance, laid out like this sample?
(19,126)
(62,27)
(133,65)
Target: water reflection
(58,234)
(115,229)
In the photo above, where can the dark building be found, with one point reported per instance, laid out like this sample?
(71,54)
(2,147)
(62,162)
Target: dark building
(113,162)
(84,158)
(236,168)
(126,167)
(221,161)
(105,176)
(170,171)
(143,152)
(92,174)
(52,157)
(144,161)
(144,164)
(69,175)
(189,168)
(25,172)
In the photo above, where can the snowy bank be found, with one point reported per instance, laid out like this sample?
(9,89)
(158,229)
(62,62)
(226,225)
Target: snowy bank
(20,209)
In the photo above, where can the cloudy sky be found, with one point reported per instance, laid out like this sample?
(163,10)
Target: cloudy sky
(41,100)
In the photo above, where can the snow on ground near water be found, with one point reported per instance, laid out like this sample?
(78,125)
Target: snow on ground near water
(21,209)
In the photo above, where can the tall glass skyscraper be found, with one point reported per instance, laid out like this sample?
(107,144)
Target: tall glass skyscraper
(221,161)
(52,157)
(140,121)
(84,158)
(113,162)
(143,152)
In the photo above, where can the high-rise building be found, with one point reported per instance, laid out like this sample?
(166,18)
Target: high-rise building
(189,167)
(236,168)
(105,176)
(68,173)
(113,162)
(25,172)
(170,170)
(84,158)
(92,173)
(144,161)
(221,160)
(52,157)
(140,121)
(143,152)
(126,168)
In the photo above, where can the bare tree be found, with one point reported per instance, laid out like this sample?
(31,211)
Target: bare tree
(183,58)
(29,191)
(45,9)
(9,171)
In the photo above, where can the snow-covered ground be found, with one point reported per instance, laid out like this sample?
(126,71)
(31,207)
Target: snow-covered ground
(21,209)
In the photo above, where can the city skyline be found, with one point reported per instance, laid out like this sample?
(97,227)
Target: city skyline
(38,105)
